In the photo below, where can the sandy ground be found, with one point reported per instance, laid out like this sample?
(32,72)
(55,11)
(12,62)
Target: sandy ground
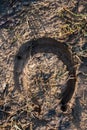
(44,74)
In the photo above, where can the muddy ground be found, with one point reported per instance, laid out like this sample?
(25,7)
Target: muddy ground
(30,88)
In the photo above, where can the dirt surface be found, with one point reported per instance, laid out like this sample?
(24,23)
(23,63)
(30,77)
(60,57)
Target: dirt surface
(42,75)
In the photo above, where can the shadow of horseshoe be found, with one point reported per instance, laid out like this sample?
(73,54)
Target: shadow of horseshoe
(64,54)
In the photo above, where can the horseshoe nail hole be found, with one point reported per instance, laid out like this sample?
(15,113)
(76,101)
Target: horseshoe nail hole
(64,108)
(19,57)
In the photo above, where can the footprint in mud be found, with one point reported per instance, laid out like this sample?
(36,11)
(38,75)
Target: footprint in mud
(25,55)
